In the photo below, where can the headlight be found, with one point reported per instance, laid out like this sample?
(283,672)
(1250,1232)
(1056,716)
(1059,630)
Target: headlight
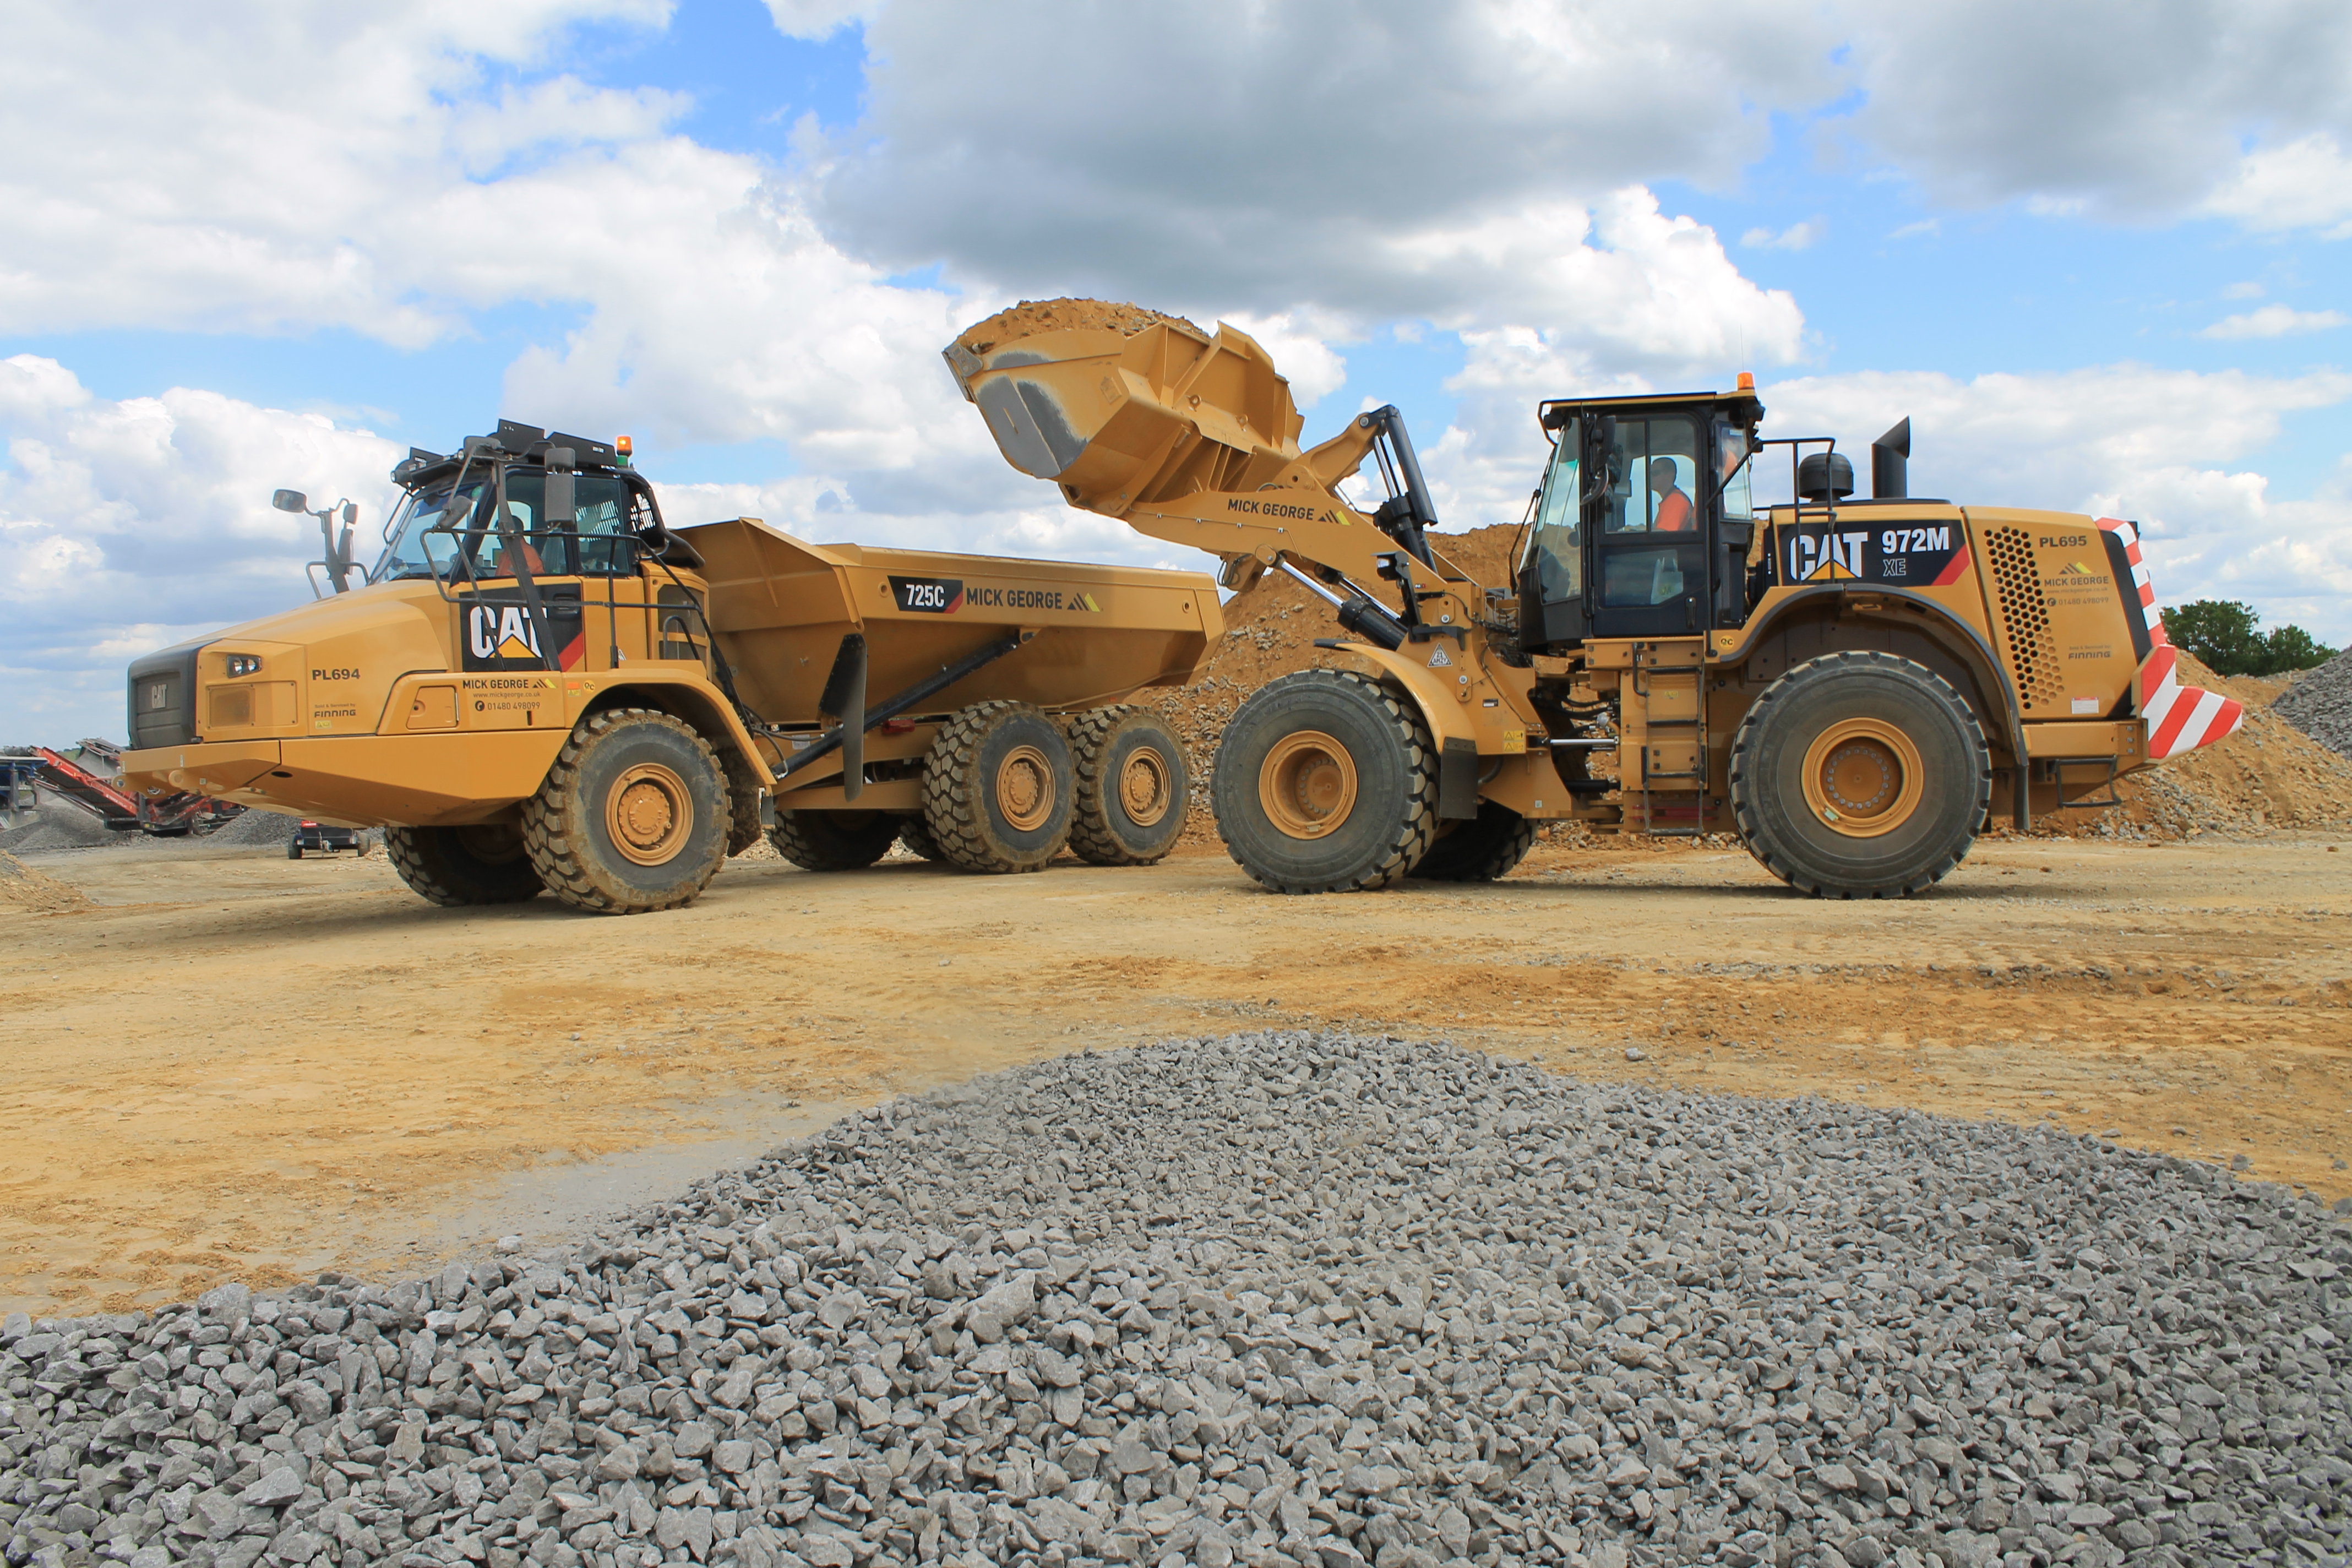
(244,664)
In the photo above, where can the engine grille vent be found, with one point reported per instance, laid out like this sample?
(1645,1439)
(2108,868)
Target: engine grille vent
(2026,617)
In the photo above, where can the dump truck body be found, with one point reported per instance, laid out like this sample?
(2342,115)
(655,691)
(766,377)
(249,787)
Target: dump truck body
(1851,686)
(505,624)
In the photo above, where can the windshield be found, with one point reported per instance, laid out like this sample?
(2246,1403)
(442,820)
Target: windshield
(410,550)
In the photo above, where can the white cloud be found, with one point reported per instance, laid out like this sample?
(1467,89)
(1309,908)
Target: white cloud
(1325,153)
(126,525)
(1926,229)
(2248,290)
(2308,184)
(1796,236)
(2274,321)
(818,18)
(2131,109)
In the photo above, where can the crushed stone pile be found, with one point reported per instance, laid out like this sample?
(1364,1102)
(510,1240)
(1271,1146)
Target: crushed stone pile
(1277,1298)
(2319,704)
(251,827)
(23,888)
(56,825)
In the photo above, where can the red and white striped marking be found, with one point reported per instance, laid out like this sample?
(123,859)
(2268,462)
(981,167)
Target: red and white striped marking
(2179,718)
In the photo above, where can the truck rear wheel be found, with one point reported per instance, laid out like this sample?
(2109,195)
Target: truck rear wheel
(1481,849)
(1860,776)
(458,867)
(1132,786)
(1325,783)
(634,817)
(833,840)
(998,788)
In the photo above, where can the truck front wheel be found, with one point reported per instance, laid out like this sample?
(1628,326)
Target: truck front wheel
(634,814)
(1325,783)
(1132,783)
(457,867)
(1860,776)
(998,789)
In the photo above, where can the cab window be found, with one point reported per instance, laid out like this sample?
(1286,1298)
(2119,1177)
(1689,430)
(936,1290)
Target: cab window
(1555,547)
(1652,512)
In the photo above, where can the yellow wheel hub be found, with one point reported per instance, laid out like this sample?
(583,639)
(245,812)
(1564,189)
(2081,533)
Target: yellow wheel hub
(1025,789)
(1307,784)
(1144,787)
(649,815)
(1864,777)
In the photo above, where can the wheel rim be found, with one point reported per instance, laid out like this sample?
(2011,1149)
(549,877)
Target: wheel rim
(1864,777)
(1307,784)
(1025,789)
(648,814)
(1143,786)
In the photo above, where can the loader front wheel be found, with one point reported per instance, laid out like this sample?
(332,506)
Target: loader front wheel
(634,814)
(833,840)
(998,788)
(459,866)
(1860,776)
(1481,849)
(1325,783)
(1132,786)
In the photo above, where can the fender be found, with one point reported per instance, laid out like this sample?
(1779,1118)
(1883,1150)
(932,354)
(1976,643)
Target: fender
(1450,723)
(685,696)
(1965,641)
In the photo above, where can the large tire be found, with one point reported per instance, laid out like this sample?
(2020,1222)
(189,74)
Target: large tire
(833,840)
(1860,776)
(1133,787)
(744,783)
(915,835)
(998,788)
(1325,783)
(634,814)
(459,866)
(1481,849)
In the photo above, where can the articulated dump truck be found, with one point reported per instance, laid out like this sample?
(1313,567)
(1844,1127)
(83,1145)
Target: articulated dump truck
(541,686)
(1854,687)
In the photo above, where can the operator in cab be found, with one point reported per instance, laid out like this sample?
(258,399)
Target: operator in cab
(1673,509)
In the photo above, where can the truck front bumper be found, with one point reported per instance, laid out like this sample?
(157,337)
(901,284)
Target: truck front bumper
(360,781)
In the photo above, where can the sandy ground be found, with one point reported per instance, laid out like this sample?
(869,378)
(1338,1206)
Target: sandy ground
(235,1065)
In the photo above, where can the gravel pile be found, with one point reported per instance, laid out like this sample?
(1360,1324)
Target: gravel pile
(256,827)
(2320,704)
(1272,1298)
(56,825)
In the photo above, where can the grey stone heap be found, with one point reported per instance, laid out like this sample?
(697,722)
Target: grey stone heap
(1272,1298)
(2320,704)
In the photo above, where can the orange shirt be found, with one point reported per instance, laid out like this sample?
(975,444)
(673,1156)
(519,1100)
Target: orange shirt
(1673,513)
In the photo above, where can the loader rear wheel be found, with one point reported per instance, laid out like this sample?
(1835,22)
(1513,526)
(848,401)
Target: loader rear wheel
(458,867)
(917,836)
(998,788)
(1481,849)
(1132,785)
(634,814)
(833,840)
(1860,776)
(1325,783)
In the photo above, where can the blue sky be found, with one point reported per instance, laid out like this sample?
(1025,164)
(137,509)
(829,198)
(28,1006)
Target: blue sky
(2104,270)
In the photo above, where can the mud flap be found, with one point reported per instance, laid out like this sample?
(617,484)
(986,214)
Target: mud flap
(1458,779)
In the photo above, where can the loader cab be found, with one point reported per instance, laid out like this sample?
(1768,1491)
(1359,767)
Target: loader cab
(1642,524)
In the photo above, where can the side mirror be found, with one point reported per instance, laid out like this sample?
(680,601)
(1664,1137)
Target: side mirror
(351,514)
(291,500)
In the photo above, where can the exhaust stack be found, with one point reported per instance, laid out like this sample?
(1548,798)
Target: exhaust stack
(1890,458)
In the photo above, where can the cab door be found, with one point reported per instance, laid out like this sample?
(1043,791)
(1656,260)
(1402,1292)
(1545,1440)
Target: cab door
(1650,541)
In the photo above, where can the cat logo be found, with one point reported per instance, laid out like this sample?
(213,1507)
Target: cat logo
(499,631)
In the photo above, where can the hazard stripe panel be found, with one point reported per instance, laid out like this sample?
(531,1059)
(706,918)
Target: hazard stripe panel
(2179,718)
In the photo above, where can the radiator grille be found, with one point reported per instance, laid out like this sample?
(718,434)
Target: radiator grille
(2025,616)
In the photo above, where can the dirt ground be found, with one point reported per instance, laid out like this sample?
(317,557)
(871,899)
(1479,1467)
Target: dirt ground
(235,1065)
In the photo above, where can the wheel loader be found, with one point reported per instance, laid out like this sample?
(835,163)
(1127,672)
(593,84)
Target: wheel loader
(1854,687)
(541,686)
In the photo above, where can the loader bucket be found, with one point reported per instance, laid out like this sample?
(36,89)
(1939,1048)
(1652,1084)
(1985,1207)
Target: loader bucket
(1121,406)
